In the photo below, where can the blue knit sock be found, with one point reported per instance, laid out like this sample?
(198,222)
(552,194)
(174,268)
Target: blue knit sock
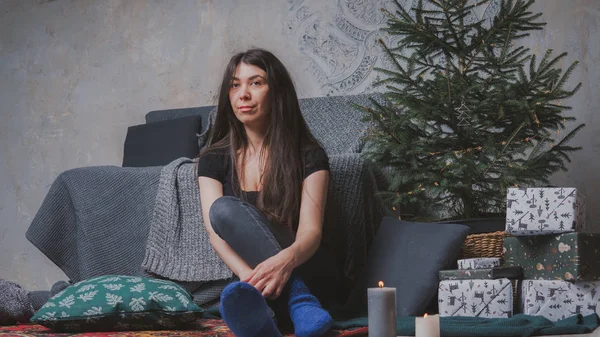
(309,318)
(244,309)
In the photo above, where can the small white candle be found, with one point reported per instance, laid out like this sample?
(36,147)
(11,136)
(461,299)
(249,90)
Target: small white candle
(427,326)
(382,311)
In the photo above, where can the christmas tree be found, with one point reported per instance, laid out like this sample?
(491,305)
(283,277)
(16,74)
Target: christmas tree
(467,113)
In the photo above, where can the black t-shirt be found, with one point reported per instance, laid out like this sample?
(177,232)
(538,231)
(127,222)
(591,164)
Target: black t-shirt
(217,165)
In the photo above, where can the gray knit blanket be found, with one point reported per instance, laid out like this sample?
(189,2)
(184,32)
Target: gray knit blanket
(95,220)
(353,212)
(178,245)
(113,220)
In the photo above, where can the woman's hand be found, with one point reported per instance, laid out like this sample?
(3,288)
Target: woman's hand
(271,275)
(245,274)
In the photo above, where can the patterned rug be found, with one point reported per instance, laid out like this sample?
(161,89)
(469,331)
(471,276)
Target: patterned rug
(204,328)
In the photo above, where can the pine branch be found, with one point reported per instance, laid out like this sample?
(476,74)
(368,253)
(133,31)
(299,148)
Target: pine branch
(377,117)
(537,148)
(506,41)
(547,65)
(570,135)
(532,72)
(458,41)
(566,75)
(512,137)
(504,21)
(405,73)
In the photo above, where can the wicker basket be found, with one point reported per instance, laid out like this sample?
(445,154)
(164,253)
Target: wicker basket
(489,245)
(484,245)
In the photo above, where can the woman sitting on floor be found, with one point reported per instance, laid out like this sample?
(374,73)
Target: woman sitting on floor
(263,185)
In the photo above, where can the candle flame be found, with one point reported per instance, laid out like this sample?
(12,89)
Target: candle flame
(380,284)
(425,316)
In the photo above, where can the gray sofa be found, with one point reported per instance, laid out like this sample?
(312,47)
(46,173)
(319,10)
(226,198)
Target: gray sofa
(95,220)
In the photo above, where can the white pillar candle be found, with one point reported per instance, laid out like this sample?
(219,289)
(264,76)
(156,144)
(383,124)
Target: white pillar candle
(427,326)
(382,311)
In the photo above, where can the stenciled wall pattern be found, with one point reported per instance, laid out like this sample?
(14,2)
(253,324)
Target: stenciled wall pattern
(341,45)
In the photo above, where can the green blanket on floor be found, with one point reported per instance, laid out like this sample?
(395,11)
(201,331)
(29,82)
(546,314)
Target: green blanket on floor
(518,325)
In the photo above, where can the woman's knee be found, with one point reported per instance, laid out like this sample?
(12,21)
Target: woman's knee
(222,214)
(232,219)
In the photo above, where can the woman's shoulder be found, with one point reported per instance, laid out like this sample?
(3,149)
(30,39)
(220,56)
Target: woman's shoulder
(214,156)
(314,149)
(213,163)
(315,159)
(215,151)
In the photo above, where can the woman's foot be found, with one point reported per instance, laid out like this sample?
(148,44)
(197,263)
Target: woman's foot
(245,311)
(309,318)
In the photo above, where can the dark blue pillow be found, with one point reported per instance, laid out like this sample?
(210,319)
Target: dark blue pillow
(408,256)
(159,143)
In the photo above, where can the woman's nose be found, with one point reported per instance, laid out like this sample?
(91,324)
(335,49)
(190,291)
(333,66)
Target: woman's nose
(244,93)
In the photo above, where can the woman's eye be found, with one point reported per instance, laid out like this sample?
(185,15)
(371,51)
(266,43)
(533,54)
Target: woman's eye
(256,83)
(235,85)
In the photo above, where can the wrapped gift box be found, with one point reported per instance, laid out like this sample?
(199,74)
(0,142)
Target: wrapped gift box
(512,273)
(476,298)
(479,263)
(558,300)
(544,210)
(569,256)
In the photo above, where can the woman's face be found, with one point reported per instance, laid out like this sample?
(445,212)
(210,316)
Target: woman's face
(248,95)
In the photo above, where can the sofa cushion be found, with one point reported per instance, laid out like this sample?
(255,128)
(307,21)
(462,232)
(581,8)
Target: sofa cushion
(335,121)
(112,302)
(157,144)
(408,256)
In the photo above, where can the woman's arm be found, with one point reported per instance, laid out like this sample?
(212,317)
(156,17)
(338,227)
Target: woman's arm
(271,275)
(312,211)
(211,190)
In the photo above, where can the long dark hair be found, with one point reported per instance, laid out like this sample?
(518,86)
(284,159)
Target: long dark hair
(286,138)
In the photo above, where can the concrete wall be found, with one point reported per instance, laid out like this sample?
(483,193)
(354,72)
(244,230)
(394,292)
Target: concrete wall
(75,74)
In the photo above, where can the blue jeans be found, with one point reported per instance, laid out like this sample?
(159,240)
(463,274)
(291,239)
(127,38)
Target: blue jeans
(250,234)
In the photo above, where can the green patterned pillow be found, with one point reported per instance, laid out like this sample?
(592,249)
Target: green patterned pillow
(112,302)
